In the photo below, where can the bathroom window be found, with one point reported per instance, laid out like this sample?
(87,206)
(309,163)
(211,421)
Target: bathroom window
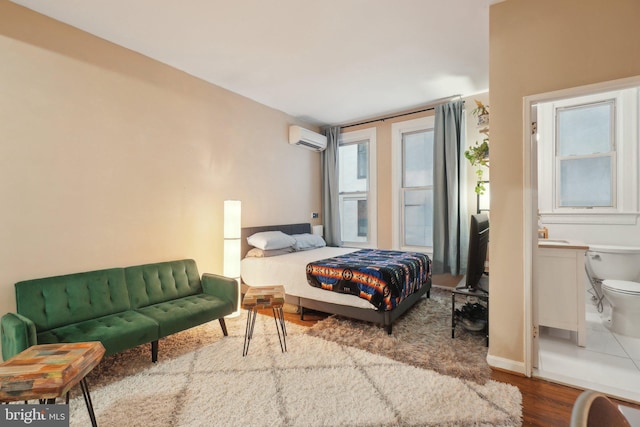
(588,158)
(585,156)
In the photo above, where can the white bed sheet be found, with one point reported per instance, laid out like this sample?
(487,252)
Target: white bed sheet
(290,271)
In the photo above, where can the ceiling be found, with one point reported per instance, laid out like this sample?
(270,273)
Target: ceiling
(323,61)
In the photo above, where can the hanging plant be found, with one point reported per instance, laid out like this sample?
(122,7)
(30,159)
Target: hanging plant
(478,155)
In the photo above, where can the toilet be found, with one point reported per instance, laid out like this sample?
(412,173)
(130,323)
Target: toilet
(618,270)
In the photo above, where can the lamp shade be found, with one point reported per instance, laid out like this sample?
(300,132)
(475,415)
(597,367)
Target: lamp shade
(232,222)
(232,244)
(232,258)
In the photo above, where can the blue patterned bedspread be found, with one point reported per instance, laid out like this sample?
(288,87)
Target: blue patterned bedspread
(384,278)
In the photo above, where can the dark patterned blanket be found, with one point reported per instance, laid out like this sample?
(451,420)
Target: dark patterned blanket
(384,278)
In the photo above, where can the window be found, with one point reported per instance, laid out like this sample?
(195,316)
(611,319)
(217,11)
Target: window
(588,157)
(417,188)
(356,160)
(585,156)
(413,184)
(363,161)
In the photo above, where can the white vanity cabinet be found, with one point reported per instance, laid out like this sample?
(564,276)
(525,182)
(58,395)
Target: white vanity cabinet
(559,281)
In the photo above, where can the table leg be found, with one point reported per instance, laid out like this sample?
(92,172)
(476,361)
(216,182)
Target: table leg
(87,399)
(453,315)
(278,316)
(248,332)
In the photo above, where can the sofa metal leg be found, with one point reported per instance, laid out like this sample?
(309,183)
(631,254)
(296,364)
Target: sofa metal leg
(224,326)
(154,351)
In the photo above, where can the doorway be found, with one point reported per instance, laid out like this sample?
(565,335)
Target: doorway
(607,362)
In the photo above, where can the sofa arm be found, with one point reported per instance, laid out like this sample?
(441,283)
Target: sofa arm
(18,334)
(221,286)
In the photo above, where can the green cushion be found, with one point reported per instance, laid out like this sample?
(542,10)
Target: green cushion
(117,332)
(187,312)
(163,281)
(61,300)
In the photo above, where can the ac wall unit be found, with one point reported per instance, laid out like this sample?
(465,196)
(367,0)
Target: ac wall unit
(307,138)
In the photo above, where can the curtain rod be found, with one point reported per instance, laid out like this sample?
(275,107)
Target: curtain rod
(382,119)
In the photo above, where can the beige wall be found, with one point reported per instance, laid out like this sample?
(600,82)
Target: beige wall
(537,47)
(108,158)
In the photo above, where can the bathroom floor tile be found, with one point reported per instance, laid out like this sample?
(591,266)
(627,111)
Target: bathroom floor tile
(632,414)
(604,342)
(631,345)
(563,358)
(609,362)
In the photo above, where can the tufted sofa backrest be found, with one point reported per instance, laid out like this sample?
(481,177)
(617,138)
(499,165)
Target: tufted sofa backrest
(55,301)
(162,281)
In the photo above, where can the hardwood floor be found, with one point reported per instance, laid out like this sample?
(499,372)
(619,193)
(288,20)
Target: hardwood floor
(543,403)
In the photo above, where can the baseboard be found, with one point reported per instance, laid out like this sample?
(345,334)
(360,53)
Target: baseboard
(506,364)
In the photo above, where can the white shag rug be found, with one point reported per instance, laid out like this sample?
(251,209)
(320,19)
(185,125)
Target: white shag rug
(315,383)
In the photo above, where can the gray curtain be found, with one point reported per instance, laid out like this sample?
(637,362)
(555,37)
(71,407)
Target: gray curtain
(449,221)
(330,190)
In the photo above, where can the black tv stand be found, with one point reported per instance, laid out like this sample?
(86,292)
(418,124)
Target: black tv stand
(482,293)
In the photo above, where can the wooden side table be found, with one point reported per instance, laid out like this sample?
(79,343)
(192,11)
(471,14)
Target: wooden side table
(258,298)
(49,371)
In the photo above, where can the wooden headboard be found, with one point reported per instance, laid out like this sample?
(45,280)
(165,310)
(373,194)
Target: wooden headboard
(285,228)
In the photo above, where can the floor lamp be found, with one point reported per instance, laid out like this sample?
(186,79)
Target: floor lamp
(232,225)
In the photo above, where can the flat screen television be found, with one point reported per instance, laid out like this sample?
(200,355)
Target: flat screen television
(478,242)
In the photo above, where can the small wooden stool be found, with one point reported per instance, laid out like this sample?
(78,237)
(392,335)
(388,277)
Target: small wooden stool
(257,298)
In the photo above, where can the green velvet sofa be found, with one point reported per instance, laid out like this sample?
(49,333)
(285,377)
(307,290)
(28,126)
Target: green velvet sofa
(120,307)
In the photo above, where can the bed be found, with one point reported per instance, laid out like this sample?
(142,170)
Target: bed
(290,270)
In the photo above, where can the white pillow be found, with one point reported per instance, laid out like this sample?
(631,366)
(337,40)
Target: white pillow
(259,253)
(308,241)
(271,240)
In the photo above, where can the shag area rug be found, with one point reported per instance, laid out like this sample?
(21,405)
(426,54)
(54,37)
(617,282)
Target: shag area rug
(421,338)
(202,379)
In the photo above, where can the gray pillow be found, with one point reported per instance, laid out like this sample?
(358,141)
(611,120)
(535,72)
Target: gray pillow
(308,241)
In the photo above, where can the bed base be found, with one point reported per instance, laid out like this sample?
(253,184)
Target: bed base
(383,318)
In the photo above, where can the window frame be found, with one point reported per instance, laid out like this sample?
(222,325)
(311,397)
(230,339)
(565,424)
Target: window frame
(612,153)
(353,137)
(397,173)
(624,162)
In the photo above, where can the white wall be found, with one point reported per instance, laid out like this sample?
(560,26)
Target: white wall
(625,235)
